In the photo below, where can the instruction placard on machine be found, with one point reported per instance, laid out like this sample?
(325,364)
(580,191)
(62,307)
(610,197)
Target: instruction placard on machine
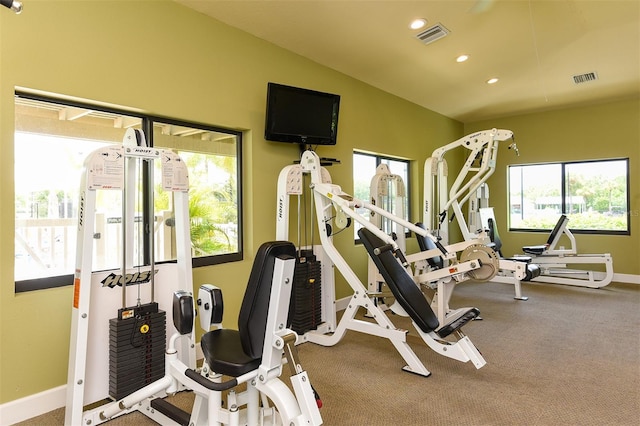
(105,168)
(175,175)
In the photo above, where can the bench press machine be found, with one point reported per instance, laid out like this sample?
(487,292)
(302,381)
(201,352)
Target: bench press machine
(335,208)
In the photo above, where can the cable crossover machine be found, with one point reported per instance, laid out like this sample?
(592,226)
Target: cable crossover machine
(131,359)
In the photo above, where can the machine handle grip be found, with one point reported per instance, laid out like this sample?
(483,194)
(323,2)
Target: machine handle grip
(400,256)
(441,247)
(195,376)
(317,397)
(14,5)
(379,250)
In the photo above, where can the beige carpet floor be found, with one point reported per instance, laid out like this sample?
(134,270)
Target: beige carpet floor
(567,356)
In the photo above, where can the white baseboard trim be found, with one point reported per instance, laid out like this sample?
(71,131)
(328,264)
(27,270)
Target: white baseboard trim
(626,278)
(33,405)
(341,304)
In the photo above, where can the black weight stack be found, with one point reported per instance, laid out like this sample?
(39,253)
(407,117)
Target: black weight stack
(137,344)
(305,309)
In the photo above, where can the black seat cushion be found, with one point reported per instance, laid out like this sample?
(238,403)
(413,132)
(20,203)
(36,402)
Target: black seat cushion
(535,250)
(404,289)
(494,236)
(540,249)
(232,352)
(223,352)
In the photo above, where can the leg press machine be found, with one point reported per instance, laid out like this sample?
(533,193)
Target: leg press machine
(554,259)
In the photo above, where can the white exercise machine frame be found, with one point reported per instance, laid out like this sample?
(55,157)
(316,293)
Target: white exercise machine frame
(387,191)
(328,198)
(113,168)
(439,199)
(383,187)
(554,260)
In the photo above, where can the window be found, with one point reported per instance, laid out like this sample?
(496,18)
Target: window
(212,157)
(52,139)
(593,194)
(364,169)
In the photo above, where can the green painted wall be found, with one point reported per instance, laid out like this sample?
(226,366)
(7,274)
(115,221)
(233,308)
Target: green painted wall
(164,59)
(609,130)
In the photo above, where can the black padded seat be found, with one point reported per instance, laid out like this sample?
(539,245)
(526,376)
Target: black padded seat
(223,351)
(535,250)
(447,329)
(236,352)
(540,249)
(494,236)
(426,244)
(521,258)
(405,290)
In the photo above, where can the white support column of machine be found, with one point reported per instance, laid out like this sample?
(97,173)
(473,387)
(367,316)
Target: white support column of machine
(291,182)
(98,295)
(483,146)
(387,191)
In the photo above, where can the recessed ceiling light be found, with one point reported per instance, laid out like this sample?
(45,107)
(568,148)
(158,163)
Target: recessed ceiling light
(462,58)
(416,24)
(492,80)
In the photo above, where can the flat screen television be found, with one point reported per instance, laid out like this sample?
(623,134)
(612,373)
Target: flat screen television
(301,115)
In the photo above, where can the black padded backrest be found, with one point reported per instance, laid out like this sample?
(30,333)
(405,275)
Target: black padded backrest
(425,244)
(494,236)
(404,289)
(556,229)
(252,321)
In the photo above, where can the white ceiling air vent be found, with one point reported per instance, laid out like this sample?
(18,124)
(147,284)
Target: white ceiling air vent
(584,78)
(432,34)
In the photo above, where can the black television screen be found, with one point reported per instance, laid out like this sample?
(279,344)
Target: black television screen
(301,115)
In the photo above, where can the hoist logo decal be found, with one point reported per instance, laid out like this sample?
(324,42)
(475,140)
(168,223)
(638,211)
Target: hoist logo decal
(81,211)
(112,280)
(280,209)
